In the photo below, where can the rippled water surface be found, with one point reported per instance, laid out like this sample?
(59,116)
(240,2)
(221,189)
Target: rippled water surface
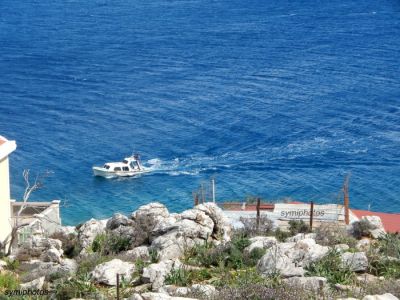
(273,98)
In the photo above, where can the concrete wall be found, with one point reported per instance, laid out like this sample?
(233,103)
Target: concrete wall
(5,207)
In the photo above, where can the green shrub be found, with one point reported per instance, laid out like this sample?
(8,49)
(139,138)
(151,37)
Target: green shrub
(153,253)
(298,226)
(281,235)
(332,269)
(330,234)
(8,281)
(250,228)
(389,245)
(361,229)
(12,264)
(77,287)
(110,243)
(184,277)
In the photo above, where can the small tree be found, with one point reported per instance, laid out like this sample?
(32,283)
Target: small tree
(30,187)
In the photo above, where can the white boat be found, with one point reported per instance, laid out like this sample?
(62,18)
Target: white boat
(130,166)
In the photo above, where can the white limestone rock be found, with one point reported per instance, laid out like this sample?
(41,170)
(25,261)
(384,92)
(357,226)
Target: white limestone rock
(161,296)
(363,245)
(275,261)
(52,255)
(261,242)
(386,296)
(106,273)
(222,225)
(357,261)
(301,236)
(206,291)
(35,284)
(141,252)
(375,223)
(156,273)
(88,232)
(314,283)
(118,220)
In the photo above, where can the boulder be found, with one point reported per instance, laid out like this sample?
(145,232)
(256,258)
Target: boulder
(141,252)
(386,296)
(177,291)
(35,247)
(156,273)
(106,273)
(368,278)
(206,291)
(35,269)
(363,245)
(306,251)
(377,229)
(315,284)
(341,247)
(35,284)
(161,296)
(51,255)
(275,261)
(301,236)
(88,232)
(357,261)
(118,220)
(261,242)
(222,225)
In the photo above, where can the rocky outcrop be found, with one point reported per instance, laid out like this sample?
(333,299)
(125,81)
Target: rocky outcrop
(375,226)
(45,249)
(141,252)
(35,284)
(156,273)
(355,261)
(36,269)
(106,273)
(315,284)
(88,232)
(261,242)
(276,261)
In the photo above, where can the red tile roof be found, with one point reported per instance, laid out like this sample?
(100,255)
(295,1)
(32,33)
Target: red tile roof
(391,222)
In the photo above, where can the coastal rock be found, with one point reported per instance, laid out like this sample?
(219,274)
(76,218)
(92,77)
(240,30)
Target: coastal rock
(51,255)
(177,291)
(141,252)
(363,245)
(261,242)
(357,261)
(341,247)
(314,283)
(35,269)
(106,273)
(118,220)
(88,232)
(156,273)
(161,296)
(35,284)
(206,291)
(306,251)
(164,226)
(37,247)
(275,261)
(300,236)
(222,225)
(386,296)
(375,224)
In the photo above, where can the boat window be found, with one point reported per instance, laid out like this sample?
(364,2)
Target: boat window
(125,161)
(106,167)
(125,168)
(117,169)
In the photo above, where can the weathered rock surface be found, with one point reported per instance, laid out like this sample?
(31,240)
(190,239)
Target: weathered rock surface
(375,223)
(160,296)
(261,242)
(46,249)
(276,261)
(118,220)
(386,296)
(36,269)
(35,284)
(357,261)
(141,252)
(314,283)
(206,291)
(363,245)
(88,232)
(156,273)
(106,273)
(300,236)
(222,226)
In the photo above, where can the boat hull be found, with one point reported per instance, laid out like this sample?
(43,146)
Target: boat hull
(102,172)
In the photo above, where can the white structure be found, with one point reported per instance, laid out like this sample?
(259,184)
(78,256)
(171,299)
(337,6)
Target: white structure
(6,148)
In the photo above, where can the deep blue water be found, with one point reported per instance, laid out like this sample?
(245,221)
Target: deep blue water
(273,98)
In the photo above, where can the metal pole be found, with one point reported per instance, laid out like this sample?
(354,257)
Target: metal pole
(258,214)
(311,214)
(213,189)
(117,286)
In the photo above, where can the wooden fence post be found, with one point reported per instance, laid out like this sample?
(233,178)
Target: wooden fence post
(117,286)
(258,214)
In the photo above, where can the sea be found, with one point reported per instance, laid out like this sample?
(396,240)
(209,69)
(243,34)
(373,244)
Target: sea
(272,99)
